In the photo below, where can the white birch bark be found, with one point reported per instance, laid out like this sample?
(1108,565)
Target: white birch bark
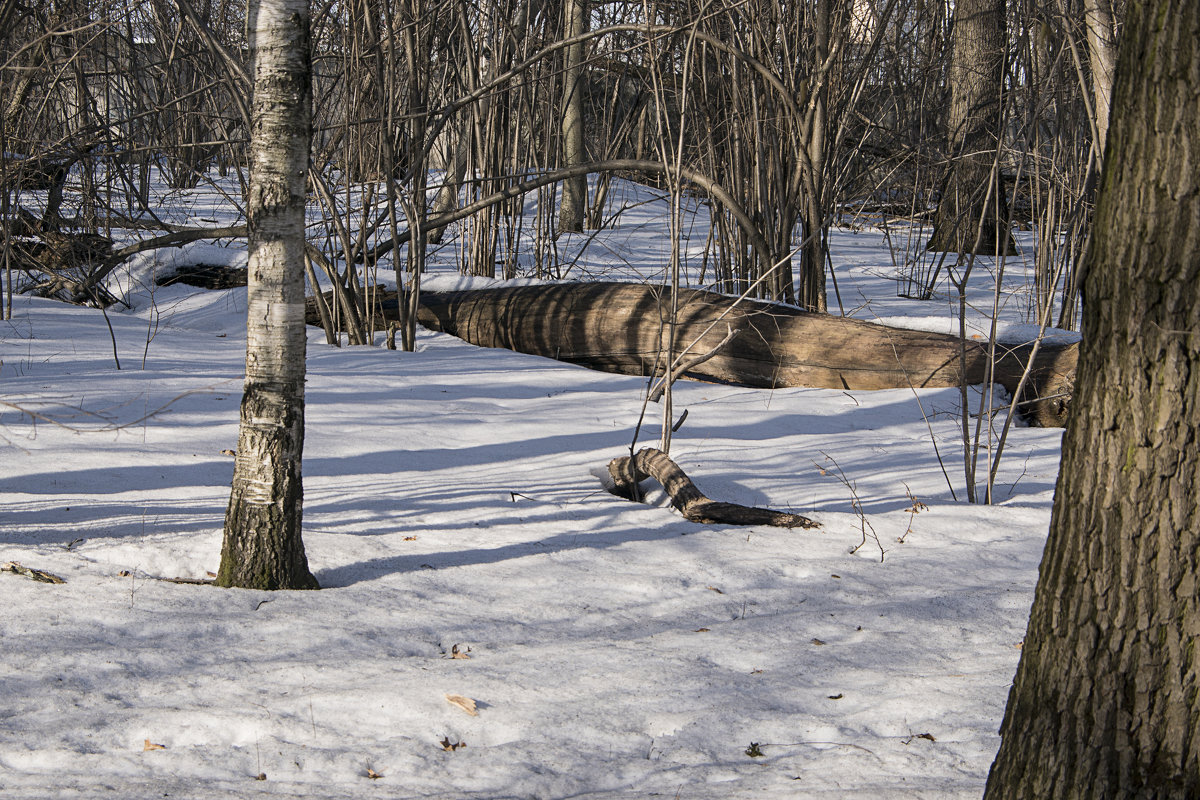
(262,547)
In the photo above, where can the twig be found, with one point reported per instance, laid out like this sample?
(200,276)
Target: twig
(661,385)
(855,503)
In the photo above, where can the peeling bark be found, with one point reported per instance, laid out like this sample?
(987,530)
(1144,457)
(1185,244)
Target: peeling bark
(262,547)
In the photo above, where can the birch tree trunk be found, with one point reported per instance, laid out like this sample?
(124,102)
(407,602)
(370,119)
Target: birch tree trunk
(1106,700)
(262,548)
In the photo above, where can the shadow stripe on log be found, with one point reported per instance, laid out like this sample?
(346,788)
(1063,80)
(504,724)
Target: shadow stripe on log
(619,327)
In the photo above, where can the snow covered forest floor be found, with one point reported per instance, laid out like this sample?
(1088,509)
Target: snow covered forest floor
(456,519)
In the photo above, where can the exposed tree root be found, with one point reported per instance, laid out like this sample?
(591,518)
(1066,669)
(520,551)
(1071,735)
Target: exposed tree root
(628,472)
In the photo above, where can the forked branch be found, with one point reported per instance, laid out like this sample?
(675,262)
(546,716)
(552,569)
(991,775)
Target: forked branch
(650,462)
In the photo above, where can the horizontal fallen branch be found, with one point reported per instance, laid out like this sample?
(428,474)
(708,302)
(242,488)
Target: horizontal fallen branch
(38,575)
(620,327)
(628,472)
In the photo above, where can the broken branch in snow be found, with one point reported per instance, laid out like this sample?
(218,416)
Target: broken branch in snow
(33,574)
(628,472)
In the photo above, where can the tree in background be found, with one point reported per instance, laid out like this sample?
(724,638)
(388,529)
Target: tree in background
(574,190)
(262,547)
(972,215)
(1106,700)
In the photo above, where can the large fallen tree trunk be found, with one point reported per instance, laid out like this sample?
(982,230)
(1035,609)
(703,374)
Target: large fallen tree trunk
(628,472)
(620,327)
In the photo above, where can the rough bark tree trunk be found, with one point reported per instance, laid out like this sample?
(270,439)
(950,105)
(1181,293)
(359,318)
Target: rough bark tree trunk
(972,204)
(1106,699)
(262,547)
(574,190)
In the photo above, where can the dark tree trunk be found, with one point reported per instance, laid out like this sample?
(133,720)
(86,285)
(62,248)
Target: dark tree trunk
(814,225)
(972,213)
(262,547)
(1106,700)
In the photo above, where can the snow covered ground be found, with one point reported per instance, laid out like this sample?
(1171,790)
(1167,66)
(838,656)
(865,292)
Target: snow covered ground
(454,503)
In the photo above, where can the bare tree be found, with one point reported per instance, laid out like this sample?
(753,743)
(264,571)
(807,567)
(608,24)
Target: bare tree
(972,214)
(1107,694)
(574,191)
(1099,21)
(263,548)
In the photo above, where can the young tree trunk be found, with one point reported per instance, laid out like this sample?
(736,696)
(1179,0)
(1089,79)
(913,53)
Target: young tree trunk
(972,207)
(1106,700)
(813,253)
(262,547)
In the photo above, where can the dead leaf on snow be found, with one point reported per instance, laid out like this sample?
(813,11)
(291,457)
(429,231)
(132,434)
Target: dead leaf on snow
(456,652)
(373,775)
(817,641)
(465,703)
(149,745)
(701,630)
(450,746)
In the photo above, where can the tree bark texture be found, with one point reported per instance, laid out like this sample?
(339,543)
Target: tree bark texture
(622,328)
(262,547)
(972,206)
(574,189)
(1106,699)
(627,472)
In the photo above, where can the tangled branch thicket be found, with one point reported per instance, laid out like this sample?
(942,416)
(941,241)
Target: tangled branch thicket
(806,114)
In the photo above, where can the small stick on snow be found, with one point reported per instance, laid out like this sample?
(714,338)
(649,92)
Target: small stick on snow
(34,574)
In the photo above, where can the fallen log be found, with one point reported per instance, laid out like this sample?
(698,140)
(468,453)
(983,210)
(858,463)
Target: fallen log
(628,472)
(621,327)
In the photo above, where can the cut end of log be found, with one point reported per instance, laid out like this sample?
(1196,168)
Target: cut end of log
(628,472)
